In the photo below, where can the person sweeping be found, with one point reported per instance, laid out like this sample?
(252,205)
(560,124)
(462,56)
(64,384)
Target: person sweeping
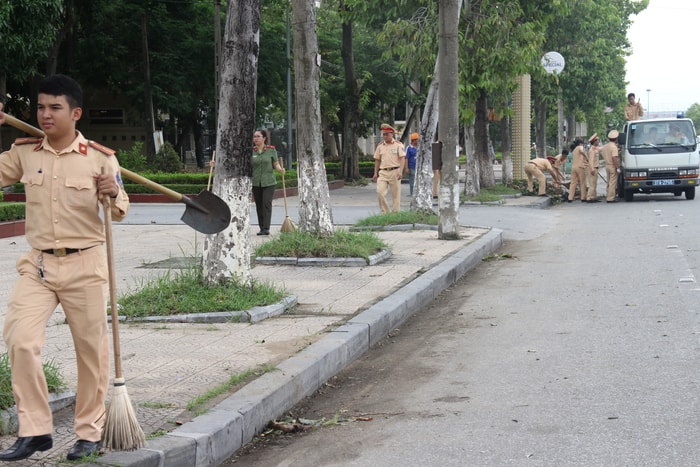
(63,178)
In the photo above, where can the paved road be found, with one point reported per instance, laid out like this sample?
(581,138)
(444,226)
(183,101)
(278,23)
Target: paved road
(580,349)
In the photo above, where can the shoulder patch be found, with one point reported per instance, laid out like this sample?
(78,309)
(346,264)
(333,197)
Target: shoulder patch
(103,149)
(270,147)
(31,140)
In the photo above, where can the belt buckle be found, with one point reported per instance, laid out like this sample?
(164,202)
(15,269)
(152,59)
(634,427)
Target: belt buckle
(59,252)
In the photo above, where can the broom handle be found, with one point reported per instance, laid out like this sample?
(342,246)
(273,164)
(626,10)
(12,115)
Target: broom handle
(211,169)
(107,206)
(284,195)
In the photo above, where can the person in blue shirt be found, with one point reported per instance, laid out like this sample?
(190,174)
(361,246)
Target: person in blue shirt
(411,153)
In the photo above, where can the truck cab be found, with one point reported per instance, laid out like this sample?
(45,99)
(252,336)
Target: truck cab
(658,156)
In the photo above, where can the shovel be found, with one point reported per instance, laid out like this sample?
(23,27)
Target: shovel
(206,212)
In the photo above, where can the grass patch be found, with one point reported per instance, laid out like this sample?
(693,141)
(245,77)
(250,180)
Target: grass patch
(398,218)
(494,193)
(54,380)
(198,404)
(183,292)
(342,244)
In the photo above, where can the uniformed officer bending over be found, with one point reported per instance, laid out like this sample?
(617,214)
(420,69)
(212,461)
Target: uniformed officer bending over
(62,175)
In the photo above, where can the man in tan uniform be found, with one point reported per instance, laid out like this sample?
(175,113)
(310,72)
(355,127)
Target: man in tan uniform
(579,167)
(612,164)
(633,110)
(64,174)
(535,168)
(592,173)
(389,161)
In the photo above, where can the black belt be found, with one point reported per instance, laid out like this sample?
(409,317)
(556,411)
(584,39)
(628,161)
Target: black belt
(391,168)
(65,251)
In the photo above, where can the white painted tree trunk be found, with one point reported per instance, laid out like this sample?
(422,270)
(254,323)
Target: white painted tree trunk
(226,255)
(448,200)
(423,190)
(315,214)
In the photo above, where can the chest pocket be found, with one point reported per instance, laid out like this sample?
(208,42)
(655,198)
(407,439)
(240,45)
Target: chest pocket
(80,191)
(33,183)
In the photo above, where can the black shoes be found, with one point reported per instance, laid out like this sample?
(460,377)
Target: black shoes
(264,232)
(83,448)
(26,446)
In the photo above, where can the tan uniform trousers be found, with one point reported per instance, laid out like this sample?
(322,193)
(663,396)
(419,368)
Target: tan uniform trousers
(531,170)
(592,184)
(388,181)
(78,282)
(611,171)
(578,178)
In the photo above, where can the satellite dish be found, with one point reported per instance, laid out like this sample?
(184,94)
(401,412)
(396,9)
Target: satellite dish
(553,62)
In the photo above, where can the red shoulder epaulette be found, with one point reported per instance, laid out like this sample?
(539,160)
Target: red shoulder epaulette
(270,147)
(30,140)
(103,149)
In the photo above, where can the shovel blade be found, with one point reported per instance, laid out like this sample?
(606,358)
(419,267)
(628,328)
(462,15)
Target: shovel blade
(206,213)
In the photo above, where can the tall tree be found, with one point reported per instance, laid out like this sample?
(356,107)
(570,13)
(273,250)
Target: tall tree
(227,254)
(448,227)
(315,214)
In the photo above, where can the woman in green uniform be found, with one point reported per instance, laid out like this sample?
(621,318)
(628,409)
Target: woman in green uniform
(265,161)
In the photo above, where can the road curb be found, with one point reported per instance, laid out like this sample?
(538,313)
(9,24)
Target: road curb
(213,437)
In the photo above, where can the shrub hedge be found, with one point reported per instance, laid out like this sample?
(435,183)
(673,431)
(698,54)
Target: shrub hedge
(11,211)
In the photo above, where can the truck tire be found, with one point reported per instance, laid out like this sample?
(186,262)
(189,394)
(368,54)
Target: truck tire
(629,195)
(690,193)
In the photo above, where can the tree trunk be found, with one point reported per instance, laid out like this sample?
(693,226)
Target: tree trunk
(481,139)
(423,190)
(351,112)
(315,214)
(227,254)
(471,182)
(148,93)
(448,200)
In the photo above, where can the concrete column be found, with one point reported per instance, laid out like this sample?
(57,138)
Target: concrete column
(521,126)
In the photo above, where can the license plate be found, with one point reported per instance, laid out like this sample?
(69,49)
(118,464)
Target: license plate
(662,182)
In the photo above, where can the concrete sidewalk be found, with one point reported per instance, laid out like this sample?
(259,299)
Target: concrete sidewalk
(341,312)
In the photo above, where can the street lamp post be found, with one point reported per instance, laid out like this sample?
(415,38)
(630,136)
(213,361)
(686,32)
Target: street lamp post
(648,103)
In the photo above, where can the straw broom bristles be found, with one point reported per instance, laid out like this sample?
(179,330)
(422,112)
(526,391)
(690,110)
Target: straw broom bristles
(122,431)
(287,225)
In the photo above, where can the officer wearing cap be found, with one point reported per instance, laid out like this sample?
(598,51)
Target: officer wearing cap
(389,163)
(579,167)
(64,175)
(612,164)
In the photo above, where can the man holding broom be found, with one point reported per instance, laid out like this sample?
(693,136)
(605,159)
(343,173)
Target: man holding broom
(64,175)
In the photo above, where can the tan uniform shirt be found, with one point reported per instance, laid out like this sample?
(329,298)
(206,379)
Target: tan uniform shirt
(610,155)
(634,111)
(543,164)
(63,209)
(390,155)
(593,157)
(579,158)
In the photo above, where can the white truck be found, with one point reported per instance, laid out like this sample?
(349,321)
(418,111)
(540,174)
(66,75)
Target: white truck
(658,156)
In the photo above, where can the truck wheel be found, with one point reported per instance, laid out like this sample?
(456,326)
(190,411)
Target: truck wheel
(690,193)
(629,195)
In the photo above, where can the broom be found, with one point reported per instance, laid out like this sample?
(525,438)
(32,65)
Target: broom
(121,431)
(287,225)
